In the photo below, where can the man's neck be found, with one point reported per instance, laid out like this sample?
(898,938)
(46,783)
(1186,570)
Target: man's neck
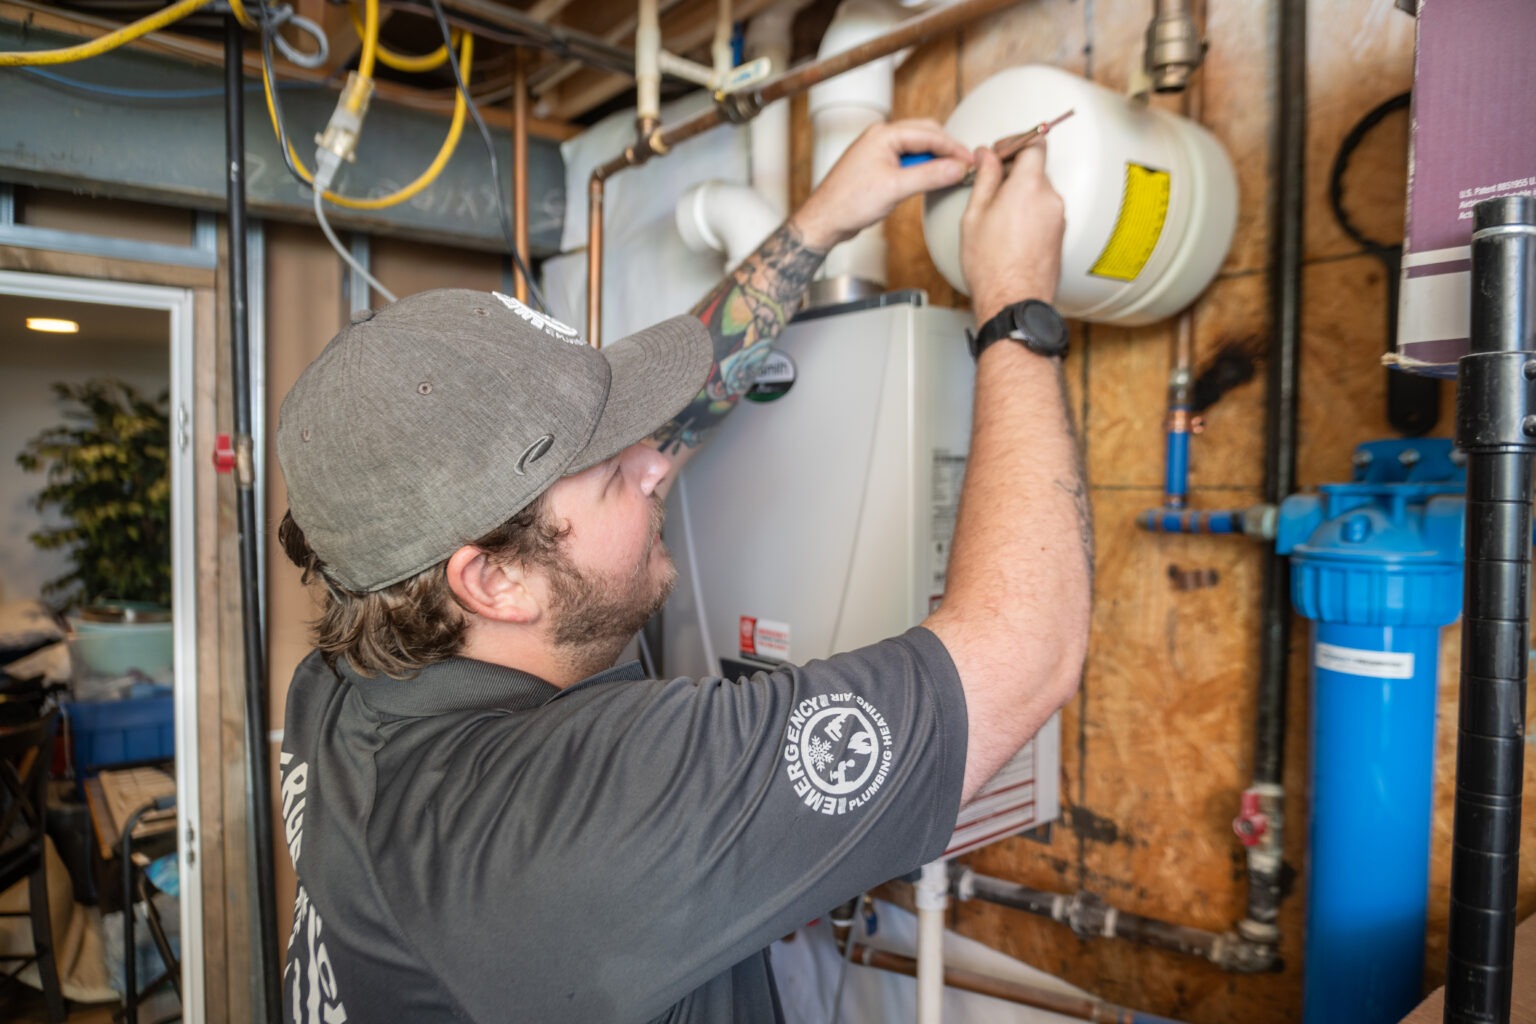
(559,666)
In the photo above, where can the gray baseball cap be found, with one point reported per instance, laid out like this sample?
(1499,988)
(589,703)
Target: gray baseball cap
(427,424)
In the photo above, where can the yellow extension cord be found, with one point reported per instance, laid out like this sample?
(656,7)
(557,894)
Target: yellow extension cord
(110,41)
(455,127)
(409,63)
(371,54)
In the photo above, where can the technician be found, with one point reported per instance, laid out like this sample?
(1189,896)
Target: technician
(491,822)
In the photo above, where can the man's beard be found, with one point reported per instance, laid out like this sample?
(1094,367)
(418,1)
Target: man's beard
(594,617)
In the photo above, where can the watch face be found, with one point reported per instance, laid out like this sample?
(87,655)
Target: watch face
(1043,327)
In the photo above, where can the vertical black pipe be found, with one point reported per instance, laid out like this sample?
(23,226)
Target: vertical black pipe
(1495,426)
(1290,140)
(258,785)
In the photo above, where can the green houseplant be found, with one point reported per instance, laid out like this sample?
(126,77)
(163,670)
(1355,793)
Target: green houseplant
(107,474)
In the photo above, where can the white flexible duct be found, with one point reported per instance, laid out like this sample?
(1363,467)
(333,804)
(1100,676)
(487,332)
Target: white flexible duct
(841,109)
(768,35)
(725,218)
(931,898)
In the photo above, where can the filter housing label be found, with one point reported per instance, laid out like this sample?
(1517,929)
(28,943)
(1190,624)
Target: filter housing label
(1353,661)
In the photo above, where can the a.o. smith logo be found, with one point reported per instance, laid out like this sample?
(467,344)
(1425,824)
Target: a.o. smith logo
(837,752)
(548,324)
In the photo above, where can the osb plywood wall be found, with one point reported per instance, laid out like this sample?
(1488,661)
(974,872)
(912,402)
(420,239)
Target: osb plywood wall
(1159,744)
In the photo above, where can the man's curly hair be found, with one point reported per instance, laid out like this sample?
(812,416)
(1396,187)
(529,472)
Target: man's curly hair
(406,626)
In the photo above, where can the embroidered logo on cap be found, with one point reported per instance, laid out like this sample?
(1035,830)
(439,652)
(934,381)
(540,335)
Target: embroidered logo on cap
(837,752)
(548,324)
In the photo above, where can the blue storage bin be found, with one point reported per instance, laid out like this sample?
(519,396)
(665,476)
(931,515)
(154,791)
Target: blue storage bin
(111,732)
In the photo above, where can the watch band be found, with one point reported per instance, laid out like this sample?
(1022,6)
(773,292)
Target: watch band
(1047,336)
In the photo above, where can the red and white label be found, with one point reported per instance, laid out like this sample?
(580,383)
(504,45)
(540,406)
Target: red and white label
(764,638)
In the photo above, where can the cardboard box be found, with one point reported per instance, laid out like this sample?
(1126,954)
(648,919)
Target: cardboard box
(1471,139)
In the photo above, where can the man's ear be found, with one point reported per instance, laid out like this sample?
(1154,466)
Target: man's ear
(491,589)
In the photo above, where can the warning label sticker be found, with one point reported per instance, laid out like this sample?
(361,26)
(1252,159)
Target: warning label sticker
(1143,210)
(764,638)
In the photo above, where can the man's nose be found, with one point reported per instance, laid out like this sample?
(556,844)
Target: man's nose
(646,466)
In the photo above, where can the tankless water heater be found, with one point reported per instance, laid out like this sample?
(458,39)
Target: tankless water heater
(819,519)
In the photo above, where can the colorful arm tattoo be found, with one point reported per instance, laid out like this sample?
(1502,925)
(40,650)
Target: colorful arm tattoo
(744,313)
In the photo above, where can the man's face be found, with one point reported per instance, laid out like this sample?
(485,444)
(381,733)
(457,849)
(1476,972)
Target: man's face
(612,572)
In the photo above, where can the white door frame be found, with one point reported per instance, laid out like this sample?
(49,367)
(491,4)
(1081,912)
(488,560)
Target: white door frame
(178,302)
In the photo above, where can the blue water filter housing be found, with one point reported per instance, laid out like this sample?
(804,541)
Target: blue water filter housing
(1376,565)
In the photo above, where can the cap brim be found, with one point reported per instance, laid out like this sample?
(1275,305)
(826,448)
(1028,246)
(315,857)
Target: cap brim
(656,372)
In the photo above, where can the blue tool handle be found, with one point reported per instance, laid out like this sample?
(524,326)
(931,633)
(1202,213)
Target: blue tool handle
(913,159)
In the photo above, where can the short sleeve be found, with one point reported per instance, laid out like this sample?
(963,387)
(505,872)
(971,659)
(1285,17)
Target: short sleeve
(658,832)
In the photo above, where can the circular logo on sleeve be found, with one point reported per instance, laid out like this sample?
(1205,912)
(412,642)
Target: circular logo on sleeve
(837,752)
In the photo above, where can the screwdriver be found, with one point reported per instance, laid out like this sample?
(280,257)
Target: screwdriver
(1006,148)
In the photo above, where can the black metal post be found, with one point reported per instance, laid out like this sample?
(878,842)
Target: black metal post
(1496,427)
(258,784)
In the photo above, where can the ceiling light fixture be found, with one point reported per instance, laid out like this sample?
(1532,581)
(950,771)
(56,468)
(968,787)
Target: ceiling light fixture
(52,325)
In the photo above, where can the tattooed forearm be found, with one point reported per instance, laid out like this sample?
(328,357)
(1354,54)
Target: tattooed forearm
(744,313)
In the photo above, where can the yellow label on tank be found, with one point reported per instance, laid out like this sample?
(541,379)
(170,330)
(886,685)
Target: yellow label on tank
(1143,209)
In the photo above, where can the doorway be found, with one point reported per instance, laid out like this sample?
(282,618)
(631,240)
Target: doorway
(134,329)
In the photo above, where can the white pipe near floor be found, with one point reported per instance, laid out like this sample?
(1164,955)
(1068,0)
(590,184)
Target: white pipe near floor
(932,899)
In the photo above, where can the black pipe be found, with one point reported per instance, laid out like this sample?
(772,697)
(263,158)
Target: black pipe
(258,786)
(1290,141)
(1495,427)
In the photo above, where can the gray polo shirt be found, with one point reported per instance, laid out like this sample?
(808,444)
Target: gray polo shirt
(474,844)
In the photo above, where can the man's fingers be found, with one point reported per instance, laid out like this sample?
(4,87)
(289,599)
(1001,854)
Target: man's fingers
(1029,165)
(989,173)
(925,137)
(932,175)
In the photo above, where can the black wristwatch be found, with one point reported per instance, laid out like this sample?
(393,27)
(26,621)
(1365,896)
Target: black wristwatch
(1034,324)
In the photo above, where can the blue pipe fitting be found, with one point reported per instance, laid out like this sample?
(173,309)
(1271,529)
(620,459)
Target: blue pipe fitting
(1184,520)
(1376,565)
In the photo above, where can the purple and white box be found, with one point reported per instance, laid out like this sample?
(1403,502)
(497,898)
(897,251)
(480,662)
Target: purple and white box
(1473,137)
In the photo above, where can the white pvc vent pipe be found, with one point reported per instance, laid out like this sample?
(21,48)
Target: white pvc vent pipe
(726,218)
(1151,197)
(841,109)
(769,35)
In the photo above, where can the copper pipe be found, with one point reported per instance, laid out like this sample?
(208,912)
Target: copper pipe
(1081,1007)
(595,261)
(520,167)
(1181,374)
(741,107)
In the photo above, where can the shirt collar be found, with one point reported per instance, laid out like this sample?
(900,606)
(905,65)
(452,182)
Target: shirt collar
(464,684)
